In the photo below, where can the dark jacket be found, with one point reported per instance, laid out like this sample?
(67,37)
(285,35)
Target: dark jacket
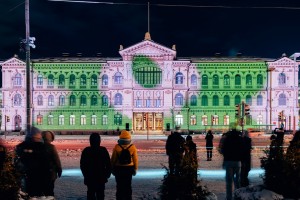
(175,144)
(95,165)
(209,140)
(232,148)
(54,164)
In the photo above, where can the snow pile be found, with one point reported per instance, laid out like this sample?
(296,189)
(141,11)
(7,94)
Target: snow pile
(257,192)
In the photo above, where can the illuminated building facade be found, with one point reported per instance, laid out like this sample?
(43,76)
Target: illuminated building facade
(149,88)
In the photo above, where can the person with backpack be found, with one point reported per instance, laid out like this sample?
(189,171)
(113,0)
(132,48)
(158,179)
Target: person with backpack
(95,167)
(124,161)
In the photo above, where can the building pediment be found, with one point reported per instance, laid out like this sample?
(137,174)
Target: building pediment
(283,61)
(13,63)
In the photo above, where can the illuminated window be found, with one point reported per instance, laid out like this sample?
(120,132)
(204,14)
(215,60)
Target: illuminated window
(39,119)
(83,79)
(40,79)
(215,80)
(117,119)
(259,80)
(118,79)
(259,119)
(147,75)
(179,99)
(259,101)
(248,79)
(193,79)
(249,100)
(118,99)
(94,79)
(72,80)
(193,100)
(148,103)
(51,100)
(17,100)
(82,120)
(61,80)
(104,79)
(179,120)
(94,100)
(138,103)
(158,103)
(72,119)
(104,100)
(50,120)
(237,79)
(215,100)
(204,100)
(179,78)
(61,120)
(237,99)
(72,100)
(204,120)
(193,120)
(83,100)
(40,100)
(281,79)
(226,119)
(104,120)
(94,120)
(204,79)
(214,120)
(50,80)
(226,100)
(226,80)
(61,100)
(18,80)
(282,100)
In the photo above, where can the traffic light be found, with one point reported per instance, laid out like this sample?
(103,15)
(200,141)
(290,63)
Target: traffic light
(237,110)
(246,109)
(280,116)
(7,119)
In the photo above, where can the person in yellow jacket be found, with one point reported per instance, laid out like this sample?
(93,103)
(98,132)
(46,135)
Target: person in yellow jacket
(124,161)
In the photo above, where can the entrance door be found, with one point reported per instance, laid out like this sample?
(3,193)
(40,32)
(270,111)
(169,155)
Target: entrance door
(158,121)
(148,121)
(18,121)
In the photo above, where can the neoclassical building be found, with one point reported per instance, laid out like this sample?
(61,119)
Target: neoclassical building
(149,88)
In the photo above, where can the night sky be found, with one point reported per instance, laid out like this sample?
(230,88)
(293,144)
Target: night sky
(254,28)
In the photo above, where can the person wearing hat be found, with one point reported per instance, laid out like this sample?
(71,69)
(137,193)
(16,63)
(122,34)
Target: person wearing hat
(123,171)
(53,164)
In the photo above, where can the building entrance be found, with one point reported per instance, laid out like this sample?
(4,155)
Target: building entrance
(143,121)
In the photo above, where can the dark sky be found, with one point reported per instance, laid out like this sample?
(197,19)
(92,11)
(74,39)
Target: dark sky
(261,28)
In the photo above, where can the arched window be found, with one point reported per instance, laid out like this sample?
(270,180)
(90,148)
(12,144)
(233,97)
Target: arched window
(193,79)
(193,120)
(117,119)
(204,120)
(50,80)
(50,100)
(83,100)
(72,100)
(179,99)
(82,120)
(204,79)
(249,100)
(215,100)
(104,79)
(61,120)
(259,119)
(226,100)
(282,100)
(94,120)
(226,119)
(39,119)
(72,120)
(193,100)
(17,100)
(281,79)
(61,100)
(178,119)
(40,100)
(259,100)
(104,119)
(72,80)
(104,100)
(61,79)
(237,79)
(118,99)
(118,79)
(215,80)
(94,100)
(249,79)
(39,79)
(94,79)
(237,99)
(18,80)
(204,100)
(179,78)
(259,80)
(50,119)
(83,79)
(226,79)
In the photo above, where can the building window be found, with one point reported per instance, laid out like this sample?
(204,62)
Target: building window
(226,120)
(237,99)
(259,119)
(179,78)
(72,119)
(118,99)
(118,79)
(82,120)
(61,120)
(40,100)
(39,79)
(193,100)
(259,101)
(50,80)
(193,120)
(259,80)
(179,120)
(61,101)
(146,72)
(226,100)
(179,99)
(50,119)
(148,103)
(248,120)
(249,100)
(83,79)
(237,80)
(51,100)
(204,120)
(214,120)
(104,79)
(215,80)
(138,103)
(215,100)
(83,100)
(39,119)
(94,100)
(94,80)
(104,100)
(204,100)
(18,80)
(282,100)
(248,80)
(104,120)
(72,100)
(72,80)
(204,79)
(193,79)
(117,119)
(226,80)
(281,79)
(61,80)
(17,100)
(94,120)
(157,103)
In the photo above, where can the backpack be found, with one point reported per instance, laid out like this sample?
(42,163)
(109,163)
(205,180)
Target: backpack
(125,157)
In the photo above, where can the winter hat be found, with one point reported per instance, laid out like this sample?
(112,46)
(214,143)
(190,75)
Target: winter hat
(125,135)
(48,136)
(34,133)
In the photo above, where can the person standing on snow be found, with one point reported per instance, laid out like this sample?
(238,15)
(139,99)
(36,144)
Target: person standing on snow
(209,144)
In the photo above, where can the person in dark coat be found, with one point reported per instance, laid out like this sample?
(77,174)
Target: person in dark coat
(232,152)
(246,159)
(209,144)
(190,156)
(95,167)
(2,154)
(31,154)
(175,149)
(54,164)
